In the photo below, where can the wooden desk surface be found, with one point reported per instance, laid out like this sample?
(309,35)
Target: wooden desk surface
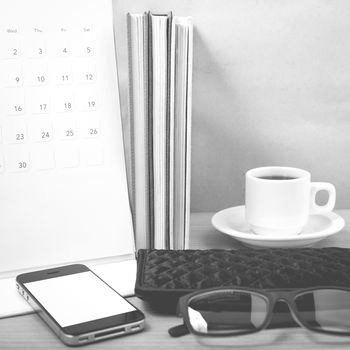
(29,332)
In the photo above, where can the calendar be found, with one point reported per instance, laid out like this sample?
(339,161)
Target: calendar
(63,188)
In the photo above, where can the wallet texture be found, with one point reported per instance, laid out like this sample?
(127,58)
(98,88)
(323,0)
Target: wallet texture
(165,275)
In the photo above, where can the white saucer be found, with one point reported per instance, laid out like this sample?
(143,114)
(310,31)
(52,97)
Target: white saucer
(232,222)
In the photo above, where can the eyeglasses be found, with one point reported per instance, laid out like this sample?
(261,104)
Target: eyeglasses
(235,311)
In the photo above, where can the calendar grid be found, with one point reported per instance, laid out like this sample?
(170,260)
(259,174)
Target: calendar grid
(48,78)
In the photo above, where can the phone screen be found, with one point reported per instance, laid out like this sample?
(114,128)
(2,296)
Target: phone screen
(78,298)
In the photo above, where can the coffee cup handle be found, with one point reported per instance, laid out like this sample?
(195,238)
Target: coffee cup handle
(329,206)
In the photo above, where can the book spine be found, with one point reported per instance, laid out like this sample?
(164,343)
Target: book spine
(188,134)
(138,93)
(179,117)
(182,130)
(149,65)
(148,134)
(159,26)
(170,133)
(131,122)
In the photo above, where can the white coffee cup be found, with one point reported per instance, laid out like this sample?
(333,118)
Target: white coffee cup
(279,200)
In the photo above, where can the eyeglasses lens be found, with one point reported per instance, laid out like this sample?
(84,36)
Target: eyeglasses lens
(325,310)
(227,312)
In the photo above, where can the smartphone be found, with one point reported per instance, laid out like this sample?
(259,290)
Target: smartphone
(77,305)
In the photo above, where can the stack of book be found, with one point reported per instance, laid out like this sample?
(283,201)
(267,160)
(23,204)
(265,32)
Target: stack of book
(160,75)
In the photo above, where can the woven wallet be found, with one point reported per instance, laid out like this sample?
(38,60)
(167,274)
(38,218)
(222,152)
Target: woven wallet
(165,275)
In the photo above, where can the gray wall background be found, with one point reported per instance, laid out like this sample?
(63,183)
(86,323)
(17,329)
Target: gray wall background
(271,86)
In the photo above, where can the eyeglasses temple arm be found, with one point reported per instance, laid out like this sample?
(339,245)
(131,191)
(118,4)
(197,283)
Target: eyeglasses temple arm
(178,331)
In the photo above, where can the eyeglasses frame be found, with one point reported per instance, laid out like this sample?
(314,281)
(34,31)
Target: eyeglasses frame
(273,295)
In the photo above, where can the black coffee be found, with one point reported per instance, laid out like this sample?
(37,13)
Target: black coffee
(277,177)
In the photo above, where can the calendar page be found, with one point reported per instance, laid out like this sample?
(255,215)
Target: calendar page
(63,189)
